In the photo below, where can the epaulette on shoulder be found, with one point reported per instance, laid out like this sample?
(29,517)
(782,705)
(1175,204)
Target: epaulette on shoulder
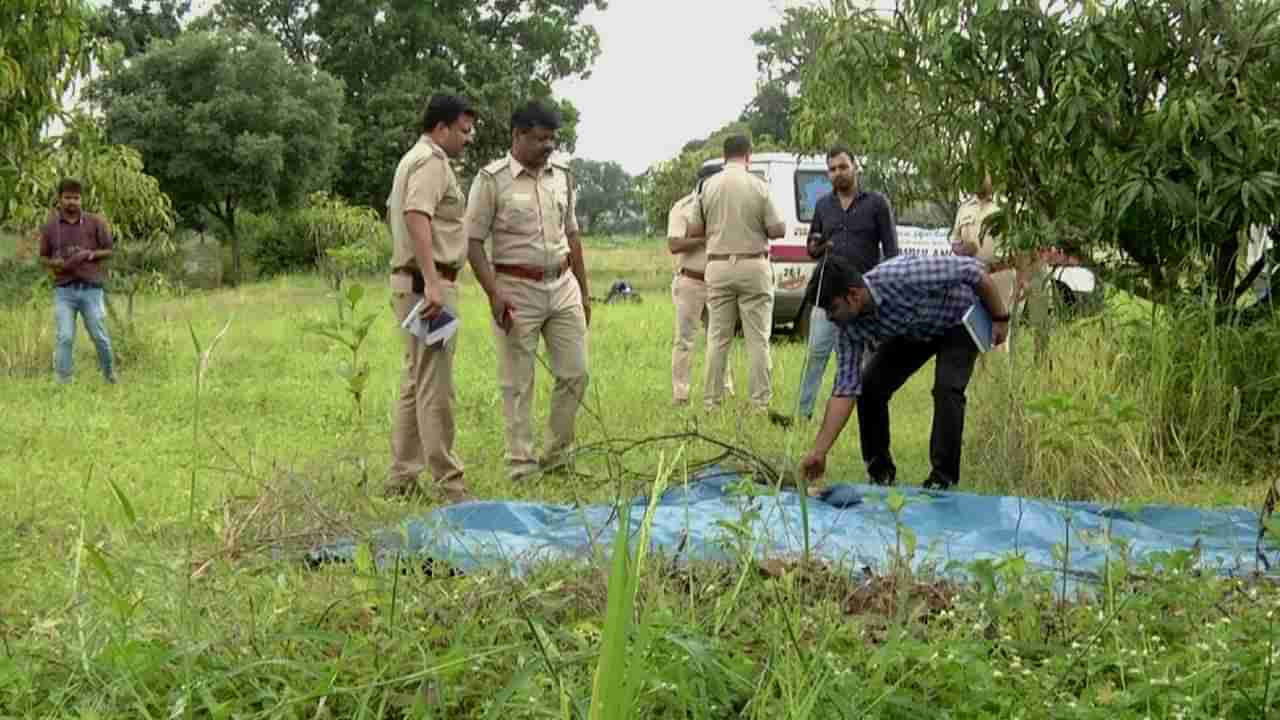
(562,167)
(496,166)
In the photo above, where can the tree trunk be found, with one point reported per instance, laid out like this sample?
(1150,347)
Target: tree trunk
(1224,267)
(234,232)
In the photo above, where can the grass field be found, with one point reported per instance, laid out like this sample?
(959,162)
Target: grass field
(149,541)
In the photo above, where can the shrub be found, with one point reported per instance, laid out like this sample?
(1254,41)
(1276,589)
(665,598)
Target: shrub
(1118,406)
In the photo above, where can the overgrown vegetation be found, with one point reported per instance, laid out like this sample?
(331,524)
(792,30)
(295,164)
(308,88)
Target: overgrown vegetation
(90,620)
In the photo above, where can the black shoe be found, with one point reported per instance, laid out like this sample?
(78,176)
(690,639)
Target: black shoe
(886,479)
(938,482)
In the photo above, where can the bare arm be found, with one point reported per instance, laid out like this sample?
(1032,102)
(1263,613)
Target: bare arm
(833,421)
(986,290)
(814,465)
(480,266)
(578,264)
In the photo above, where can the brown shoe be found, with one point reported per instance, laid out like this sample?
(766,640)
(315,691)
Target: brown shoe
(454,493)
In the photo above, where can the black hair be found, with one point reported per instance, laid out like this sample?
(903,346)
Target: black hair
(69,185)
(832,278)
(839,150)
(535,114)
(445,109)
(736,146)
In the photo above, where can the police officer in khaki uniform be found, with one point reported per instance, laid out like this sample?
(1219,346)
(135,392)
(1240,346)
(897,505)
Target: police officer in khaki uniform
(537,284)
(1011,275)
(688,292)
(970,236)
(425,211)
(738,218)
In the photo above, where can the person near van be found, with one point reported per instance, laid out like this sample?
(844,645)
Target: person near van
(738,217)
(73,246)
(688,291)
(913,306)
(972,236)
(855,224)
(429,245)
(537,284)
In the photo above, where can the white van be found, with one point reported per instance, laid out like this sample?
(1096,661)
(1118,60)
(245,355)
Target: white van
(796,182)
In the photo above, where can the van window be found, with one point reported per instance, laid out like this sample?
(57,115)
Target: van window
(810,185)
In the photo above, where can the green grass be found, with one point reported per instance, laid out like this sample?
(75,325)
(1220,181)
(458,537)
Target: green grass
(101,614)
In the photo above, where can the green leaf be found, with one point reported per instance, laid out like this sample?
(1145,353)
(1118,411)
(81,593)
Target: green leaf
(125,505)
(355,293)
(99,563)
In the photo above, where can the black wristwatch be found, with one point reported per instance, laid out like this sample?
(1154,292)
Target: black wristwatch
(1000,318)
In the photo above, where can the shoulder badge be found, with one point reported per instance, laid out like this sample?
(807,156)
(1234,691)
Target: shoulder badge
(496,166)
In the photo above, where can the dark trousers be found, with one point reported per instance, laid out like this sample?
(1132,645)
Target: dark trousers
(896,360)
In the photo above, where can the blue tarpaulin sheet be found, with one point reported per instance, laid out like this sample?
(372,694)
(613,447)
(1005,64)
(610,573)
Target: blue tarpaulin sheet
(849,525)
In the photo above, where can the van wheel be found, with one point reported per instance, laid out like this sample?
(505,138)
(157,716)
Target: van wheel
(800,326)
(1065,295)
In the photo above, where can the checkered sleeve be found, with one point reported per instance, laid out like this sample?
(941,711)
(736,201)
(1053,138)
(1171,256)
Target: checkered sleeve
(848,381)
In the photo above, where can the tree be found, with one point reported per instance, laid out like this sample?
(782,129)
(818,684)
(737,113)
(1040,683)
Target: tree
(136,26)
(769,112)
(226,121)
(1139,134)
(44,48)
(392,55)
(606,196)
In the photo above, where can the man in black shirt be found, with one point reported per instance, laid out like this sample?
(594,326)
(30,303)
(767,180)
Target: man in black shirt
(852,223)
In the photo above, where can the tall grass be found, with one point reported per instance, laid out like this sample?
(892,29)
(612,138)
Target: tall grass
(1128,403)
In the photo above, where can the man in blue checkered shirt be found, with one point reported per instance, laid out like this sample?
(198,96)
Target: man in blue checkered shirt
(913,305)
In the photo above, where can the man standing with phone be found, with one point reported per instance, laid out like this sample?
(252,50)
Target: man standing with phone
(855,224)
(73,246)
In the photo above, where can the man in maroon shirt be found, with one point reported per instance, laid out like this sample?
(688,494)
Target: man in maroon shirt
(73,245)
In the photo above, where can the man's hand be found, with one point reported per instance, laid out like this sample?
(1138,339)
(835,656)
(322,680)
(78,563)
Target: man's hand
(586,310)
(434,301)
(818,249)
(813,466)
(967,249)
(503,314)
(999,332)
(77,257)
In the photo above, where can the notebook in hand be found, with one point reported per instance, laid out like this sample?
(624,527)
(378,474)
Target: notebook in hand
(978,322)
(438,330)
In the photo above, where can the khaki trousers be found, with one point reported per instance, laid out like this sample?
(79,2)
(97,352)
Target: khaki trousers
(690,298)
(552,310)
(422,432)
(739,289)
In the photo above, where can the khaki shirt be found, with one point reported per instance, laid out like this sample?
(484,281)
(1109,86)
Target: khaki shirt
(678,227)
(529,215)
(735,210)
(425,183)
(968,228)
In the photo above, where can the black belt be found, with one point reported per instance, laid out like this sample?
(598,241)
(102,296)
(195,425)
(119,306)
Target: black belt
(448,272)
(82,285)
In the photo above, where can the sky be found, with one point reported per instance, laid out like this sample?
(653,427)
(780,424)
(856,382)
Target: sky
(669,71)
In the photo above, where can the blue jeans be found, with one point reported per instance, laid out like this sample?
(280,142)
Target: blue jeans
(822,340)
(89,301)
